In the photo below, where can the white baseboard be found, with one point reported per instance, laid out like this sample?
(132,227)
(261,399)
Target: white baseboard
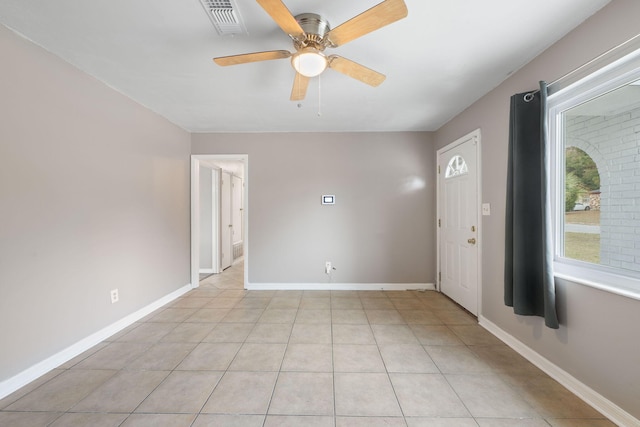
(600,403)
(341,286)
(206,271)
(25,377)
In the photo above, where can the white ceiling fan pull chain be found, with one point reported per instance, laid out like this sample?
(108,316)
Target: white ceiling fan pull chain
(319,96)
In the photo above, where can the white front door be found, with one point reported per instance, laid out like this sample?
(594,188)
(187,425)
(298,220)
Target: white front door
(458,221)
(226,252)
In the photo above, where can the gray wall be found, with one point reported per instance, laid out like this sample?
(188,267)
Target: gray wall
(381,229)
(598,338)
(94,195)
(206,218)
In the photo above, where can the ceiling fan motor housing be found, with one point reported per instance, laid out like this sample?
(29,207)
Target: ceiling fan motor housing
(315,27)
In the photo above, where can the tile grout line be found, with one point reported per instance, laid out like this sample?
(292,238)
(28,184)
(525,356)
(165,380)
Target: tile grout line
(333,366)
(226,370)
(386,369)
(275,383)
(170,371)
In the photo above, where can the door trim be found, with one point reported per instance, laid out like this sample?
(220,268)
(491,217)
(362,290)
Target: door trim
(195,212)
(476,134)
(225,243)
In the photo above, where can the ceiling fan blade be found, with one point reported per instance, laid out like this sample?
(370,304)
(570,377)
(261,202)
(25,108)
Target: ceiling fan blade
(285,20)
(300,84)
(251,57)
(378,16)
(355,70)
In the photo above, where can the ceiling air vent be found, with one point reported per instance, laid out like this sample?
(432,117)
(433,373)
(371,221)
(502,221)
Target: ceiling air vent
(224,15)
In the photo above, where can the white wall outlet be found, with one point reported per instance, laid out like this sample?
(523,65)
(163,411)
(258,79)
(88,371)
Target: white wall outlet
(486,209)
(327,267)
(114,296)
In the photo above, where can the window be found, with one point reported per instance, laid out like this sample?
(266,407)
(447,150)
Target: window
(457,166)
(595,141)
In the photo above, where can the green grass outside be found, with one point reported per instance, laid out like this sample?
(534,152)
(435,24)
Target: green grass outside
(582,247)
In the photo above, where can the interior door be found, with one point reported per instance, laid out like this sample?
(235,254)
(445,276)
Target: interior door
(226,250)
(458,221)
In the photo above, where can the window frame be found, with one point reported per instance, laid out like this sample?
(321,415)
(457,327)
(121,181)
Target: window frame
(608,78)
(463,170)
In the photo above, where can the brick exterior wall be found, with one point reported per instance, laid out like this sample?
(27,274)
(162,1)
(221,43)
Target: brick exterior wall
(613,142)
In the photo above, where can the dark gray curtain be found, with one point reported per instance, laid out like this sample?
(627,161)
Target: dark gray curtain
(529,281)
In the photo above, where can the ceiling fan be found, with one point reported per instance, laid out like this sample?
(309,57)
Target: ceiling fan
(311,35)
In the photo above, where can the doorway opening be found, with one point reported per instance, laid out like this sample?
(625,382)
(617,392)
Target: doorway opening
(219,215)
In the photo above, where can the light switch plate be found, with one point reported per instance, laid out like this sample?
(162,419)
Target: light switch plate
(486,209)
(328,199)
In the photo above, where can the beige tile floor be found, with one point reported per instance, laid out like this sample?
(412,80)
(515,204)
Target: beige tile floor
(223,356)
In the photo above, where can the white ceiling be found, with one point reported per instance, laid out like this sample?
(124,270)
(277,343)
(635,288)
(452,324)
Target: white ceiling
(438,61)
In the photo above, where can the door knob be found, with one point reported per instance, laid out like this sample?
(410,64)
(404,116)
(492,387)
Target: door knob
(471,241)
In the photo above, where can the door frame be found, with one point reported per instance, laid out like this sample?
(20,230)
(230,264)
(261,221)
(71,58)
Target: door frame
(235,179)
(476,134)
(225,204)
(215,220)
(195,212)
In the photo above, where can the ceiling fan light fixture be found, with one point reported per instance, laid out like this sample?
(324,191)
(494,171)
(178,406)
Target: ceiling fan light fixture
(309,62)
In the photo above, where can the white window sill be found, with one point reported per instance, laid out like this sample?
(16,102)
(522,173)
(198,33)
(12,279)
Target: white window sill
(620,285)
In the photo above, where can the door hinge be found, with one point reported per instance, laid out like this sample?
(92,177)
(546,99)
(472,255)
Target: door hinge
(438,168)
(439,222)
(439,277)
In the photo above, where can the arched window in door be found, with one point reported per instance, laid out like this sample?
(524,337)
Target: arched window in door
(457,166)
